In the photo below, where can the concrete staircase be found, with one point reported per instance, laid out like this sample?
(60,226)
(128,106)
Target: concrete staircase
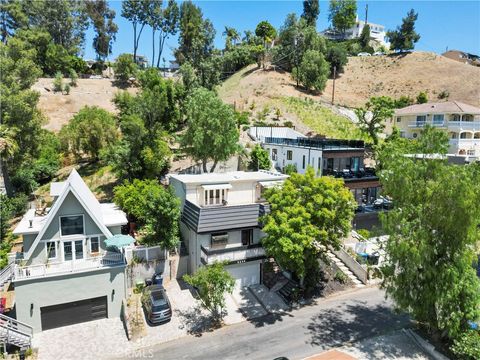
(15,333)
(343,268)
(6,274)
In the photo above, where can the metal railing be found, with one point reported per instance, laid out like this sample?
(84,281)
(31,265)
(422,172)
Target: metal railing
(352,265)
(58,268)
(14,327)
(467,125)
(6,273)
(231,254)
(419,124)
(324,144)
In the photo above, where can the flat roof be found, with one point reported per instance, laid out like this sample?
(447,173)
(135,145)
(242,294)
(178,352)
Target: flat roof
(438,108)
(261,132)
(228,177)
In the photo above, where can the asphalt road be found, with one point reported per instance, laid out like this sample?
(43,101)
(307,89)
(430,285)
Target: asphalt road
(332,322)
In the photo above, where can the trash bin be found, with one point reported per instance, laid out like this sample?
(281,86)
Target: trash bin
(157,279)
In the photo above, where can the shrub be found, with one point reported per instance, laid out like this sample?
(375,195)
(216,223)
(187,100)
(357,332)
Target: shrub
(422,98)
(467,345)
(340,277)
(125,68)
(290,169)
(313,71)
(364,233)
(73,78)
(58,82)
(445,94)
(288,123)
(259,159)
(66,89)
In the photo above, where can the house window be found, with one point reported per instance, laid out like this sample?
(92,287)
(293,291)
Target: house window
(438,119)
(247,237)
(51,249)
(219,239)
(421,119)
(471,152)
(289,154)
(399,119)
(67,251)
(274,154)
(94,244)
(463,135)
(303,162)
(71,225)
(216,196)
(414,135)
(319,163)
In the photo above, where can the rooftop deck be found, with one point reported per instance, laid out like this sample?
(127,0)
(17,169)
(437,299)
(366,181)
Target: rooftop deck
(323,144)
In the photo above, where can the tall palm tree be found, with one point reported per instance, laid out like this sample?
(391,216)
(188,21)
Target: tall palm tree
(8,148)
(231,35)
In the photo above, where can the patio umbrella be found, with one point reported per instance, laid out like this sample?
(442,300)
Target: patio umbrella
(118,241)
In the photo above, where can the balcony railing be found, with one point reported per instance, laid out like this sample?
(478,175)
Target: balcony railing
(324,144)
(464,125)
(232,254)
(465,142)
(421,124)
(67,267)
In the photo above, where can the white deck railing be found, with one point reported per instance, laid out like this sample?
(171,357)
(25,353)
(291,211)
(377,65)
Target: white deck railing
(210,256)
(59,268)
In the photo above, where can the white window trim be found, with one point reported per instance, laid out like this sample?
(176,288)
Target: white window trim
(73,235)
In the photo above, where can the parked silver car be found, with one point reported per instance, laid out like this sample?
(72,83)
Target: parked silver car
(156,304)
(363,54)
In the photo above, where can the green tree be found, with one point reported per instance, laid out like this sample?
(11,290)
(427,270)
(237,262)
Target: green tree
(259,159)
(311,10)
(372,117)
(308,215)
(154,207)
(102,18)
(168,26)
(231,37)
(313,71)
(364,38)
(336,57)
(125,68)
(13,17)
(90,131)
(212,282)
(211,129)
(8,148)
(58,82)
(342,14)
(422,97)
(405,37)
(189,77)
(428,268)
(136,11)
(73,78)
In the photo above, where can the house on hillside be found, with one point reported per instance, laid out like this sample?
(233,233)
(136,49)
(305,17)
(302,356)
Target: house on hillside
(220,220)
(461,122)
(65,274)
(462,57)
(377,32)
(338,158)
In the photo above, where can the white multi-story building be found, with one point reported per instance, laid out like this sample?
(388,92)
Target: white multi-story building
(461,122)
(220,220)
(377,32)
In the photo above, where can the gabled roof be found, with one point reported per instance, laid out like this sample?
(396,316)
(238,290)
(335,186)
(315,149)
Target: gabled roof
(454,107)
(85,197)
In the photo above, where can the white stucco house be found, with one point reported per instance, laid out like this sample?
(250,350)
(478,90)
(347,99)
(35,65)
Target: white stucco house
(220,220)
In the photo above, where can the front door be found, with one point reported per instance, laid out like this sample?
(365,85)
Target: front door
(73,250)
(67,251)
(78,249)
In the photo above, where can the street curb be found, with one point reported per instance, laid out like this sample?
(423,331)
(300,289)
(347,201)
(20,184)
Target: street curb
(424,344)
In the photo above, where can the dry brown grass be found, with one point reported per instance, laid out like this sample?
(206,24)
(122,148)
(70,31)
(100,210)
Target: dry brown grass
(60,108)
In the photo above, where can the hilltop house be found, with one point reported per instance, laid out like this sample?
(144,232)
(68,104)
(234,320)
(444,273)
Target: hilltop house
(64,274)
(461,122)
(339,158)
(377,32)
(220,220)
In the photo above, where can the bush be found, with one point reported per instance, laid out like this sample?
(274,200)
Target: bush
(445,94)
(125,68)
(467,345)
(58,82)
(66,89)
(73,78)
(336,56)
(259,159)
(422,98)
(290,169)
(340,277)
(364,233)
(313,71)
(403,101)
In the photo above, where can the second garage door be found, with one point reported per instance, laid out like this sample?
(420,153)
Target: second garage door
(245,274)
(74,312)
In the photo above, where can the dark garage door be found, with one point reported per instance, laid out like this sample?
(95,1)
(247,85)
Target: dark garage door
(73,313)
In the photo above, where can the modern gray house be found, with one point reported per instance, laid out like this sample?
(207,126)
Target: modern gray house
(65,275)
(220,220)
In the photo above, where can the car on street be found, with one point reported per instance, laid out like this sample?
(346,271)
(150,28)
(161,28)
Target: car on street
(378,53)
(156,304)
(363,54)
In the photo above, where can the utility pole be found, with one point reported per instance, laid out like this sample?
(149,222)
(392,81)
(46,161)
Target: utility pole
(296,56)
(366,14)
(334,76)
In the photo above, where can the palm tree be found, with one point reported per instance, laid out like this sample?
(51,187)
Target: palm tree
(232,35)
(8,148)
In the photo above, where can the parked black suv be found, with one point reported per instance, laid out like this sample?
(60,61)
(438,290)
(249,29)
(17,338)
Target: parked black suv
(156,304)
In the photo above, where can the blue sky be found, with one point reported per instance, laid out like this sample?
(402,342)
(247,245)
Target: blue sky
(441,24)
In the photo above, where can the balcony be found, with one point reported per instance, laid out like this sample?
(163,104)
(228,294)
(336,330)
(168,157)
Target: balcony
(233,254)
(421,124)
(68,267)
(464,125)
(222,217)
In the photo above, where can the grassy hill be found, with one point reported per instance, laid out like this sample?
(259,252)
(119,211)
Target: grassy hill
(260,92)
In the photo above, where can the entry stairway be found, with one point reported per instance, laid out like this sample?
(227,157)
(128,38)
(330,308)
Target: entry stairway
(6,274)
(15,333)
(343,268)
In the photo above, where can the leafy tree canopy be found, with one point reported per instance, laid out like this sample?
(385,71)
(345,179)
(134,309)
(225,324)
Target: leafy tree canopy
(311,10)
(372,117)
(125,68)
(259,159)
(211,129)
(308,214)
(155,208)
(265,31)
(342,14)
(313,71)
(405,37)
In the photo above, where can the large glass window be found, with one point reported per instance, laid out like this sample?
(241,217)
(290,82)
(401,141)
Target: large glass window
(78,249)
(289,154)
(71,225)
(219,239)
(438,119)
(274,154)
(216,197)
(51,249)
(421,119)
(67,250)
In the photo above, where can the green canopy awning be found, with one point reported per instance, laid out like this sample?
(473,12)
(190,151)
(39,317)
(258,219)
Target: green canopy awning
(118,241)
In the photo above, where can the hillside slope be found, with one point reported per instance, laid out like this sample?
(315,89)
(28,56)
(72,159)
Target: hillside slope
(60,108)
(254,90)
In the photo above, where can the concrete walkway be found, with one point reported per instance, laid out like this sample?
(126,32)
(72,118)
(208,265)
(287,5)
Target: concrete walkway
(246,302)
(271,301)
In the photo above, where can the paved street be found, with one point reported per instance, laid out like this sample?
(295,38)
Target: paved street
(333,322)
